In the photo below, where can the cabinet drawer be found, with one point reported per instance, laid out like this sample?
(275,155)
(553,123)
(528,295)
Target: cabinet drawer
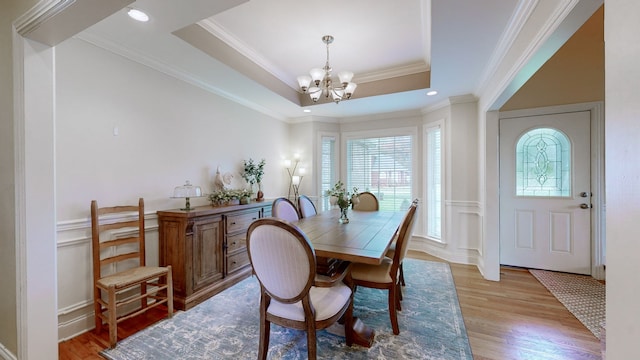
(235,242)
(241,221)
(237,261)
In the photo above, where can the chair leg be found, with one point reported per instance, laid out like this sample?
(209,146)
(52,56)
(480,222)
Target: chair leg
(398,297)
(402,275)
(113,318)
(263,348)
(97,309)
(392,309)
(311,342)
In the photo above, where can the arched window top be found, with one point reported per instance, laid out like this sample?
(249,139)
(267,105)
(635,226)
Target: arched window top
(543,163)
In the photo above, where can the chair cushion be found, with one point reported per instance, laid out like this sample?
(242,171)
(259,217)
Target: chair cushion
(373,273)
(327,301)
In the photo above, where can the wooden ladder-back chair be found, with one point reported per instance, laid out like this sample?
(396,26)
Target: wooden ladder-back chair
(291,295)
(366,202)
(306,206)
(386,275)
(119,266)
(284,209)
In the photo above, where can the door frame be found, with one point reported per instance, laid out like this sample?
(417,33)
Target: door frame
(596,109)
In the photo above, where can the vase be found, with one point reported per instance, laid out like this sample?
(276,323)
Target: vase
(343,215)
(259,194)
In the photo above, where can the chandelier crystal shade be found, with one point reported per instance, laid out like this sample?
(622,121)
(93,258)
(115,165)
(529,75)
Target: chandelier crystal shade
(319,81)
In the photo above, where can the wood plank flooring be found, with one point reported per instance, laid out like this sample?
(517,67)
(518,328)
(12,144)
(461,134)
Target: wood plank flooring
(515,318)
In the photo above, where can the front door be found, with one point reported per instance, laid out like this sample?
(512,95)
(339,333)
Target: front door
(545,192)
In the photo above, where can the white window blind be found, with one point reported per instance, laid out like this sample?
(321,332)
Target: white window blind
(328,165)
(383,166)
(433,177)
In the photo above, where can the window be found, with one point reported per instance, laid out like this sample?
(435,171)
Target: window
(433,181)
(383,166)
(328,168)
(543,163)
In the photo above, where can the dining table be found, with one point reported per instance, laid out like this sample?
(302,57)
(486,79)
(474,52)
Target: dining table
(364,239)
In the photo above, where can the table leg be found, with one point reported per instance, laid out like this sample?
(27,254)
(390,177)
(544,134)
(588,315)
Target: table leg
(363,335)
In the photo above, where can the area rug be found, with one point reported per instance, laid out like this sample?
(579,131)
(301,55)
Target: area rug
(582,295)
(226,326)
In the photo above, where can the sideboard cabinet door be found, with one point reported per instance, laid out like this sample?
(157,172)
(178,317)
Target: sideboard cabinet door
(208,256)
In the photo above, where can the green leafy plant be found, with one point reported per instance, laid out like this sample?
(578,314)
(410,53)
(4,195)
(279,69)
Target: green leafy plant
(341,197)
(223,196)
(253,171)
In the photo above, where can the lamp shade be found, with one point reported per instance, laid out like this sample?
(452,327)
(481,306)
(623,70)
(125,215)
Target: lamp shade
(304,81)
(345,77)
(351,87)
(317,74)
(315,93)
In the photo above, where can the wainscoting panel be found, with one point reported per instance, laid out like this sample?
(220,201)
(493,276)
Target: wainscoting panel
(462,238)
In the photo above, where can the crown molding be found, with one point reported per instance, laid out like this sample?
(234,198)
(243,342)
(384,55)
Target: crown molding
(516,23)
(42,12)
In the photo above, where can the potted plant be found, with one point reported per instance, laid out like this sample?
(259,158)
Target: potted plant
(343,198)
(252,174)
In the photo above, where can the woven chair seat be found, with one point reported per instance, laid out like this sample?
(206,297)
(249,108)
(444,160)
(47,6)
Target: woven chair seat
(132,276)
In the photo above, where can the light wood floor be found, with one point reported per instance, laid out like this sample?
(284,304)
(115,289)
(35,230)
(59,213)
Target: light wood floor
(515,318)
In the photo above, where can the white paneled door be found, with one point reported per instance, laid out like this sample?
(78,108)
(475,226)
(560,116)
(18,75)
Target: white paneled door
(545,192)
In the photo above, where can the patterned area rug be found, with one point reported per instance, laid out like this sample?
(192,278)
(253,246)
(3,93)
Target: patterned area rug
(226,326)
(582,295)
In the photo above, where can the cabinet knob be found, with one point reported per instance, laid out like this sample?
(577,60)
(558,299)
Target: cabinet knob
(233,223)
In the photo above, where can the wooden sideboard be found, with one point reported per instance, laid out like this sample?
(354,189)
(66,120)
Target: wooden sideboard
(206,248)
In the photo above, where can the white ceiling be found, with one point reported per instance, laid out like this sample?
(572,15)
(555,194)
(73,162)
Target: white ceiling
(458,40)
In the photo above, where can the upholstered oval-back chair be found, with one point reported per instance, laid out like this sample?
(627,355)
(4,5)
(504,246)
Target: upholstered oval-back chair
(284,262)
(284,209)
(366,202)
(306,206)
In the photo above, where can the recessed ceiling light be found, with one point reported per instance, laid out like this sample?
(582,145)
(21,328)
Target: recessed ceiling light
(432,92)
(138,15)
(306,110)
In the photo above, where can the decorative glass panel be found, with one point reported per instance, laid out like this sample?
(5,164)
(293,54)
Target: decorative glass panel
(543,163)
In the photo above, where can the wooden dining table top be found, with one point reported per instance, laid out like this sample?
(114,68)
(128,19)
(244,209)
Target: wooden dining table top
(365,239)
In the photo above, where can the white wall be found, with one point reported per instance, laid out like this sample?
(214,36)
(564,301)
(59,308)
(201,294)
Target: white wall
(168,132)
(622,131)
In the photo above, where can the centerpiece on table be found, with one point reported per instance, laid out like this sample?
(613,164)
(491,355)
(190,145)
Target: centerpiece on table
(338,195)
(252,174)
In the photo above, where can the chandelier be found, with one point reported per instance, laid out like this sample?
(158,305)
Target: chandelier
(320,82)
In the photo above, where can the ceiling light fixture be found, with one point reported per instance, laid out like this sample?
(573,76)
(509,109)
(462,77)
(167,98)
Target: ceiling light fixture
(138,15)
(322,82)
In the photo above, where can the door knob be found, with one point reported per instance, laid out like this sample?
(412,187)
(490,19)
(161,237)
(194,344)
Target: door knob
(585,206)
(584,194)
